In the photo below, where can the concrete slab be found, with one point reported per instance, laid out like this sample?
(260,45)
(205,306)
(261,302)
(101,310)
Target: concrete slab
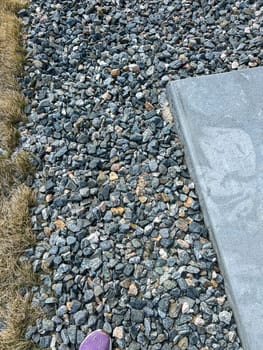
(220,119)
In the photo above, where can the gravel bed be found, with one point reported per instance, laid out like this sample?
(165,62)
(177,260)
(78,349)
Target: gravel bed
(121,240)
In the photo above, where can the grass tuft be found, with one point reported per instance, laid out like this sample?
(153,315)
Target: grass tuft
(11,106)
(9,136)
(15,236)
(12,54)
(12,57)
(12,6)
(19,311)
(14,170)
(16,275)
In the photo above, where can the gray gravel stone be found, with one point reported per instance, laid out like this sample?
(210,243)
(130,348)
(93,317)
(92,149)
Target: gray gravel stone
(80,317)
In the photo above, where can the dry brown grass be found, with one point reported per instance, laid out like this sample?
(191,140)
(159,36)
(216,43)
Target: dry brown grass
(14,171)
(11,51)
(11,106)
(15,198)
(15,236)
(18,312)
(12,5)
(9,136)
(12,57)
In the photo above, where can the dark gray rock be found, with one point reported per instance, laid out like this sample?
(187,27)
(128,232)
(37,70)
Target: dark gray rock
(44,342)
(80,317)
(137,316)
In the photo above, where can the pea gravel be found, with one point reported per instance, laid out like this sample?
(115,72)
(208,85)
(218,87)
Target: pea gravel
(121,241)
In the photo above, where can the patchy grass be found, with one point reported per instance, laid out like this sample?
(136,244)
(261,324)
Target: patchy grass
(11,106)
(12,57)
(12,6)
(11,51)
(15,236)
(13,171)
(19,312)
(16,274)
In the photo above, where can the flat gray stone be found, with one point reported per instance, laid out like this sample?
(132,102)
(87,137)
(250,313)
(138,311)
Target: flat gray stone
(220,119)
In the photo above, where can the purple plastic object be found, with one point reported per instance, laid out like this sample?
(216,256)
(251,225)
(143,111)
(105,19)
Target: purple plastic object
(97,340)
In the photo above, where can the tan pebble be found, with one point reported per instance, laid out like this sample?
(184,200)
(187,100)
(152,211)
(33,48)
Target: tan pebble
(47,231)
(59,223)
(189,281)
(133,290)
(125,283)
(224,23)
(185,308)
(115,167)
(214,283)
(148,106)
(186,189)
(188,202)
(189,220)
(143,199)
(78,123)
(134,226)
(106,96)
(134,68)
(44,265)
(102,177)
(118,332)
(158,238)
(115,72)
(102,207)
(174,310)
(221,300)
(113,176)
(252,64)
(49,198)
(68,305)
(181,212)
(198,321)
(117,211)
(118,129)
(167,115)
(164,197)
(182,243)
(183,343)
